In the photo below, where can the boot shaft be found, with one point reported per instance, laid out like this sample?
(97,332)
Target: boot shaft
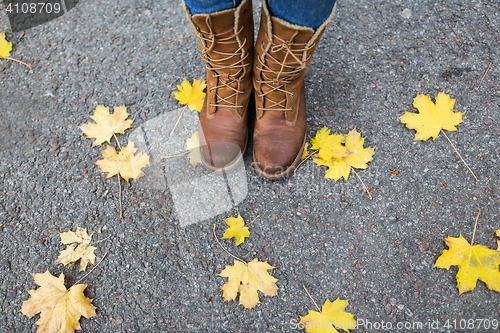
(282,53)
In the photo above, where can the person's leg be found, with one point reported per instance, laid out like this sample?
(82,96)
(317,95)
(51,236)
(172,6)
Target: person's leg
(210,6)
(282,52)
(311,13)
(226,44)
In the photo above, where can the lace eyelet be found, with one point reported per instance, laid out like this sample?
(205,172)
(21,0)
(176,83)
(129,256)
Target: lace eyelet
(243,91)
(292,95)
(262,43)
(241,106)
(291,111)
(213,74)
(210,89)
(210,104)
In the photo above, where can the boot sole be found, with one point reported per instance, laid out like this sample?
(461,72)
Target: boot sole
(285,173)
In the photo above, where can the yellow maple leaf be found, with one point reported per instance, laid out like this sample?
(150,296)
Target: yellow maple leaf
(357,157)
(106,124)
(5,46)
(247,279)
(193,144)
(331,318)
(236,229)
(320,140)
(78,248)
(338,169)
(60,309)
(474,263)
(328,145)
(125,163)
(432,118)
(335,148)
(193,95)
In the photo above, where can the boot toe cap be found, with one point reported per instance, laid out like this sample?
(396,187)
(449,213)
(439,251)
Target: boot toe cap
(277,163)
(220,155)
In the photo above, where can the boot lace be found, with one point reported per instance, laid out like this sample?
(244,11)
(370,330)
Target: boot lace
(289,68)
(219,68)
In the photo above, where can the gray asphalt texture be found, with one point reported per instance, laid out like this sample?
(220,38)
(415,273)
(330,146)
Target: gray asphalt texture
(158,277)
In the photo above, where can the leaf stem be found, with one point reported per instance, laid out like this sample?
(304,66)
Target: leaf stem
(455,33)
(253,220)
(366,188)
(184,153)
(446,136)
(182,112)
(104,256)
(120,195)
(119,146)
(101,240)
(484,76)
(19,61)
(118,175)
(312,299)
(475,225)
(311,154)
(173,40)
(232,255)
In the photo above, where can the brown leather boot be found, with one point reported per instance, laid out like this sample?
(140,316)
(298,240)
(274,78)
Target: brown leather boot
(282,53)
(226,44)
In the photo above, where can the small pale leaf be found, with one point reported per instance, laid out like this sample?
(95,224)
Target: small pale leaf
(78,248)
(193,144)
(126,163)
(106,124)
